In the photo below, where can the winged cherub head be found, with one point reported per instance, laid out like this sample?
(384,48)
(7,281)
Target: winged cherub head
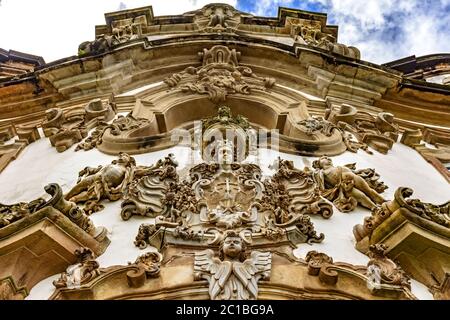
(232,247)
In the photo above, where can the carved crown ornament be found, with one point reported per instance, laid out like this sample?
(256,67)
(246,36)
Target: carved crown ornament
(219,76)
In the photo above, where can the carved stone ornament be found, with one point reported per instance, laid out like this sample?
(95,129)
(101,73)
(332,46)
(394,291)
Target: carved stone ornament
(105,182)
(83,272)
(232,276)
(145,196)
(347,187)
(378,132)
(439,214)
(310,33)
(115,128)
(383,271)
(67,129)
(12,213)
(217,197)
(218,18)
(219,76)
(123,30)
(319,265)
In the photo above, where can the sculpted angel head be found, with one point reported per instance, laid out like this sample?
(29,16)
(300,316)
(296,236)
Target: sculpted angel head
(232,247)
(323,163)
(125,159)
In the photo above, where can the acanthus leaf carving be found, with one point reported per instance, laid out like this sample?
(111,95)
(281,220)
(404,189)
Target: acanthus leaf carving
(219,76)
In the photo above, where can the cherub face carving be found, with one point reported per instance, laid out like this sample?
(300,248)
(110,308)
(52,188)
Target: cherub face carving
(232,247)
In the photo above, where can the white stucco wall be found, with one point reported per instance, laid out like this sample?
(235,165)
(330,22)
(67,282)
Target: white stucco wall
(39,164)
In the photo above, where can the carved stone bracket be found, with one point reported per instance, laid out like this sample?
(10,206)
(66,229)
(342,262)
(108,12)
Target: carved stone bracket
(414,233)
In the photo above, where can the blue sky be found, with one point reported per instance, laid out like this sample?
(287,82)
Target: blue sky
(384,30)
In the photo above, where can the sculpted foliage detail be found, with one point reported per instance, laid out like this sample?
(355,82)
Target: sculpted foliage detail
(219,76)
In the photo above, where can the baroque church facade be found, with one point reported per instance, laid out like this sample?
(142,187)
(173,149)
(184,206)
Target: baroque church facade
(220,155)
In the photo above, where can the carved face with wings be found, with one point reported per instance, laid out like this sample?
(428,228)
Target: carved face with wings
(232,277)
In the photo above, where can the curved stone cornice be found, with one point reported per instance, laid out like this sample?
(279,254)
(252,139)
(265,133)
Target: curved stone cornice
(291,279)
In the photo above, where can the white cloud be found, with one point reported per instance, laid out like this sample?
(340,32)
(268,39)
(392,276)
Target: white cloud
(54,29)
(264,7)
(385,30)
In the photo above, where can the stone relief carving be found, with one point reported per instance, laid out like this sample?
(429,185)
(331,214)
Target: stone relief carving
(380,132)
(347,187)
(156,193)
(105,182)
(310,33)
(12,213)
(383,270)
(217,197)
(218,18)
(116,127)
(17,211)
(123,30)
(291,191)
(67,129)
(219,76)
(319,264)
(86,269)
(439,214)
(150,263)
(231,276)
